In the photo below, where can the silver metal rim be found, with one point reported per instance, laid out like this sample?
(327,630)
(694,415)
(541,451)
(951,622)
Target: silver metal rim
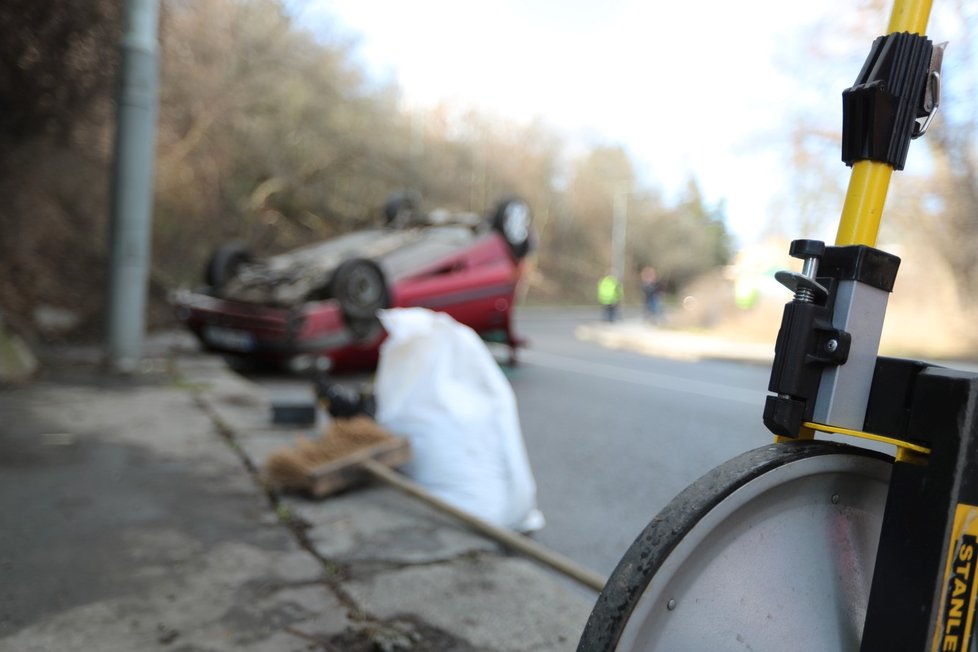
(784,562)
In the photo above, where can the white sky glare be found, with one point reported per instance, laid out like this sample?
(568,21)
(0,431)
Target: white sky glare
(689,87)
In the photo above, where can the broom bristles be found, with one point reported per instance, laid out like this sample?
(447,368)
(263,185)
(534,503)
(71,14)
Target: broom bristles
(290,466)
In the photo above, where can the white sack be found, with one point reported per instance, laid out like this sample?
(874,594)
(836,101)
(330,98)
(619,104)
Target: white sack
(439,386)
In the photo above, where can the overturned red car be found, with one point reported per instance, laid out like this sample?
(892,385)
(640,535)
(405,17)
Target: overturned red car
(317,305)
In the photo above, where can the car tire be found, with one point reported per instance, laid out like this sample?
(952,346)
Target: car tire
(224,264)
(361,288)
(512,221)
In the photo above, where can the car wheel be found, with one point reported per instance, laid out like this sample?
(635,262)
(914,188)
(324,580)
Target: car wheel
(224,264)
(360,287)
(512,221)
(400,206)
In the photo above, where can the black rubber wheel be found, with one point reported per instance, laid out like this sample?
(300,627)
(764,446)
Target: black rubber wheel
(512,221)
(224,264)
(772,550)
(360,287)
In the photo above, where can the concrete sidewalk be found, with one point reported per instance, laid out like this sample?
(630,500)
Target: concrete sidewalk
(131,519)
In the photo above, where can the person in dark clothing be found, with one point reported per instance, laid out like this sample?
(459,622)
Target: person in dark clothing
(652,289)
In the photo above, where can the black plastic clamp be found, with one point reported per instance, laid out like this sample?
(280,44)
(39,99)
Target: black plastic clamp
(808,342)
(880,110)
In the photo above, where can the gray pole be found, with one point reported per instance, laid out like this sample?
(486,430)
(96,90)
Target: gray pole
(132,189)
(619,227)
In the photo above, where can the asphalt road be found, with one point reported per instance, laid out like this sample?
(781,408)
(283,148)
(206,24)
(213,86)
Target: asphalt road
(613,436)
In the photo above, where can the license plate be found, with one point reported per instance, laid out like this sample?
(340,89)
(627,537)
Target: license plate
(229,338)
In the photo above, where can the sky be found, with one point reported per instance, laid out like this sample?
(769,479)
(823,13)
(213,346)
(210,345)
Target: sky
(688,88)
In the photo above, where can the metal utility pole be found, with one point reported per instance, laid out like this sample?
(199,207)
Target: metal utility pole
(619,227)
(132,186)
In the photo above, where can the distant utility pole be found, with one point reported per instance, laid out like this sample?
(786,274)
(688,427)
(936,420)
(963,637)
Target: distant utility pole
(132,186)
(619,228)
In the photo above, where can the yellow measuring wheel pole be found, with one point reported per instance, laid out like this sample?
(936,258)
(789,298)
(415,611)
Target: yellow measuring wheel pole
(869,181)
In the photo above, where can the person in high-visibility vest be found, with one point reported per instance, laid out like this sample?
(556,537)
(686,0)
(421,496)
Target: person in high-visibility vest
(609,296)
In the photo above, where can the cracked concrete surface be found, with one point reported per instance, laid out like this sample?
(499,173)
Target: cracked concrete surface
(130,519)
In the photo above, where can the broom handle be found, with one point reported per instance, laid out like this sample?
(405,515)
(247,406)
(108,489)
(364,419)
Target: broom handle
(508,538)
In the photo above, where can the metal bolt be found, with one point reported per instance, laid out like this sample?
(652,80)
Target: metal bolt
(832,345)
(809,267)
(809,270)
(810,252)
(671,605)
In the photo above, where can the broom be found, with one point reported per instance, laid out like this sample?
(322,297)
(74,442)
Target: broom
(334,461)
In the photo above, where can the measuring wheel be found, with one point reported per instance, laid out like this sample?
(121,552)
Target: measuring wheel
(771,551)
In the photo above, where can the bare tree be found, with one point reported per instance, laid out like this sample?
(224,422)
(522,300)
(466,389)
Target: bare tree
(271,135)
(949,217)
